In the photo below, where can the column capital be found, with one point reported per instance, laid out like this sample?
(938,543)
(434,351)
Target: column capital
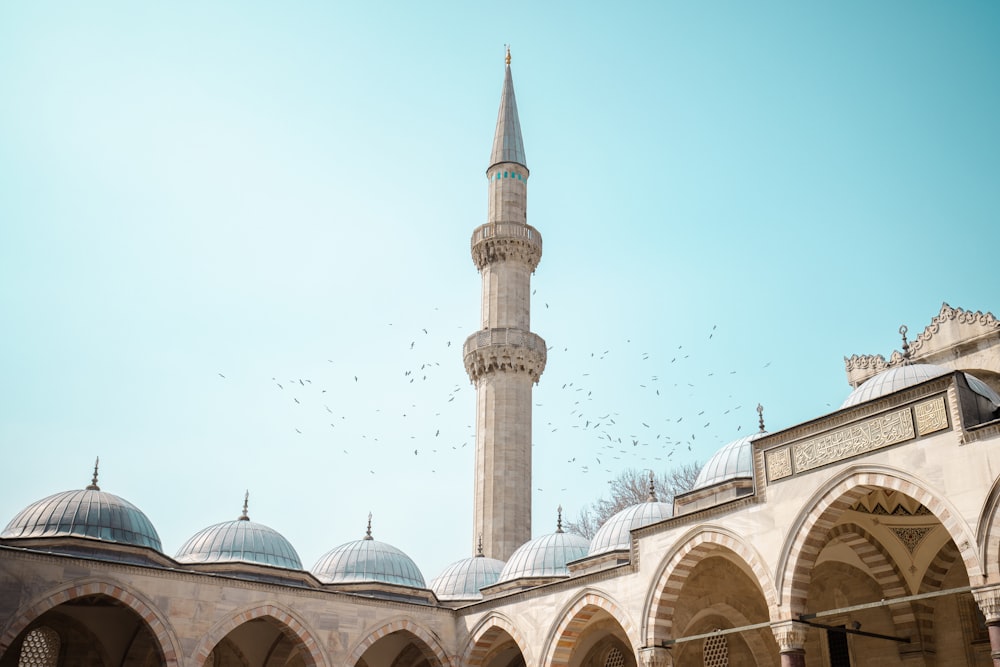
(988,599)
(791,636)
(655,656)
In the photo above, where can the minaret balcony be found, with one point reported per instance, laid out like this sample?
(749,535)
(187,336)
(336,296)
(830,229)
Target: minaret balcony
(506,241)
(504,349)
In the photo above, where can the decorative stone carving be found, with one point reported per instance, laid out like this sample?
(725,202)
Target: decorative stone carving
(911,536)
(501,241)
(504,349)
(871,434)
(931,416)
(655,656)
(791,636)
(978,319)
(779,464)
(988,600)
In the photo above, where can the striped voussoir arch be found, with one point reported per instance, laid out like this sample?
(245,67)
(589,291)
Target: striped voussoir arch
(156,622)
(296,631)
(933,580)
(678,568)
(817,524)
(425,640)
(490,633)
(574,622)
(883,569)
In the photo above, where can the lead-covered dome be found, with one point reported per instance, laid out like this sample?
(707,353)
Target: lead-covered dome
(615,533)
(462,580)
(733,461)
(239,541)
(368,560)
(89,513)
(900,377)
(545,556)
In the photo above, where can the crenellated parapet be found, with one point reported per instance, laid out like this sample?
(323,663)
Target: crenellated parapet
(506,241)
(504,349)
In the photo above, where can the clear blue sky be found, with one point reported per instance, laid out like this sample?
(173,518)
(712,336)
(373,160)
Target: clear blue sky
(733,197)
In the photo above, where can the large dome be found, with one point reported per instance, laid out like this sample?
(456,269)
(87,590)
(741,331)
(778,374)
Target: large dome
(615,533)
(89,513)
(462,579)
(545,556)
(240,540)
(368,560)
(733,461)
(907,375)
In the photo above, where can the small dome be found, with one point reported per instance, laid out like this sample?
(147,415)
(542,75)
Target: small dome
(462,579)
(90,513)
(545,556)
(892,380)
(615,533)
(241,541)
(733,461)
(368,560)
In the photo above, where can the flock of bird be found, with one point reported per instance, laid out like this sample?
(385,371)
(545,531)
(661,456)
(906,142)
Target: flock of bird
(595,413)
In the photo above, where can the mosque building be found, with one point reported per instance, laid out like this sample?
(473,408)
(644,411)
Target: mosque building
(866,536)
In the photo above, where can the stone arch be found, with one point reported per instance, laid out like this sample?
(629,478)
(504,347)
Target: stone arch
(677,566)
(574,619)
(882,569)
(300,635)
(818,516)
(932,581)
(758,645)
(485,634)
(988,532)
(158,624)
(404,625)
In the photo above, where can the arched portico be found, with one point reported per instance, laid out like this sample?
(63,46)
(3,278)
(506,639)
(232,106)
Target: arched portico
(289,636)
(591,621)
(395,639)
(495,642)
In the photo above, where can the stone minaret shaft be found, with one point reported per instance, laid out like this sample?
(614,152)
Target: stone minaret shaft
(504,359)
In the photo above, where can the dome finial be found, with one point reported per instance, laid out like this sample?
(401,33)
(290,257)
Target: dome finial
(652,489)
(559,521)
(906,345)
(507,59)
(479,547)
(368,532)
(760,418)
(93,483)
(246,502)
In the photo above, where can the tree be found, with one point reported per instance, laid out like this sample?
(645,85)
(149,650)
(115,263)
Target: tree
(631,487)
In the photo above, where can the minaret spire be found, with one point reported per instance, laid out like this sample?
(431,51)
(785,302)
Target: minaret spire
(504,359)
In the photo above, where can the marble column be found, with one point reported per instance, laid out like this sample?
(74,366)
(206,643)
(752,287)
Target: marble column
(791,638)
(655,656)
(988,599)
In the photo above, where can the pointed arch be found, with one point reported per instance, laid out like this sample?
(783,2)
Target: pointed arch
(988,532)
(678,564)
(574,619)
(299,634)
(400,625)
(810,530)
(157,622)
(484,637)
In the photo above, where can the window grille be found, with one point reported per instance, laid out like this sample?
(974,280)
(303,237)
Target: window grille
(716,652)
(40,648)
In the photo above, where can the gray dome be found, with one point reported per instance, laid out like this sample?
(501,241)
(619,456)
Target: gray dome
(368,560)
(615,533)
(545,556)
(462,579)
(892,380)
(241,541)
(90,513)
(733,461)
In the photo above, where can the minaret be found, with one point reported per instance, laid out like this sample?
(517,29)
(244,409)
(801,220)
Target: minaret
(504,359)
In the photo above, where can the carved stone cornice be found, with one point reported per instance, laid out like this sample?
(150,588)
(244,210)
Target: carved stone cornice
(504,350)
(655,656)
(506,241)
(791,636)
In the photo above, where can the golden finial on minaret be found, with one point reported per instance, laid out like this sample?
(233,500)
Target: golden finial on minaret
(508,53)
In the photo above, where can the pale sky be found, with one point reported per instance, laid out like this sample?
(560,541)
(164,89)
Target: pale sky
(200,202)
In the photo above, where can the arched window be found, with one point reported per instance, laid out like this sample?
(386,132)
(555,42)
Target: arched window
(615,659)
(40,648)
(716,652)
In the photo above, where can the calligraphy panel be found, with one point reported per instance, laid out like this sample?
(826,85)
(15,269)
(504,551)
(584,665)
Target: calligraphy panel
(871,434)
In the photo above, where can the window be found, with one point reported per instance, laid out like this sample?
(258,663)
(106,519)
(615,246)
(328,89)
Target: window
(40,648)
(716,652)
